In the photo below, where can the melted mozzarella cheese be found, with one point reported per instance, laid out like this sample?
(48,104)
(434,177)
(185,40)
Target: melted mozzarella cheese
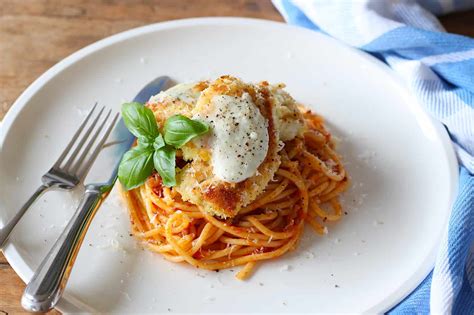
(239,138)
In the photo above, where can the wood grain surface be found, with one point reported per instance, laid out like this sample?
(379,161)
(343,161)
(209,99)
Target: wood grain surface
(36,34)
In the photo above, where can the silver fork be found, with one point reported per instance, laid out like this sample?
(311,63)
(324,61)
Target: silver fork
(67,173)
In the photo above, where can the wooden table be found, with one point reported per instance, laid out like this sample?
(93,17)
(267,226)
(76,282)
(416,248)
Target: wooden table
(35,34)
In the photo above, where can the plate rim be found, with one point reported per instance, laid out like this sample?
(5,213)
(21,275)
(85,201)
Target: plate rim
(425,267)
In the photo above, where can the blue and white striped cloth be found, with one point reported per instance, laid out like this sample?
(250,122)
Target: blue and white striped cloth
(439,68)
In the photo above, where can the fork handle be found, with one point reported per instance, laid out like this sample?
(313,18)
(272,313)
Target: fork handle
(8,228)
(48,283)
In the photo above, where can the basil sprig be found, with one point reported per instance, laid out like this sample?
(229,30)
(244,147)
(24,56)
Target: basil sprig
(154,150)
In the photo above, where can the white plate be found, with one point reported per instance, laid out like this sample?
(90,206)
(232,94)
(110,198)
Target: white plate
(402,165)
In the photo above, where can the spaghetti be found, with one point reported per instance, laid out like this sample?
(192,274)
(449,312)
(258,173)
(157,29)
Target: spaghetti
(305,188)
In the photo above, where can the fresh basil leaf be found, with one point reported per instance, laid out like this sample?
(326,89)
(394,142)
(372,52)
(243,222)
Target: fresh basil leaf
(140,120)
(144,142)
(136,166)
(159,142)
(180,129)
(164,160)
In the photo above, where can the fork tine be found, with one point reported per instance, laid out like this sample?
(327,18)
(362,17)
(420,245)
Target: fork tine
(79,161)
(85,136)
(88,147)
(74,138)
(84,169)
